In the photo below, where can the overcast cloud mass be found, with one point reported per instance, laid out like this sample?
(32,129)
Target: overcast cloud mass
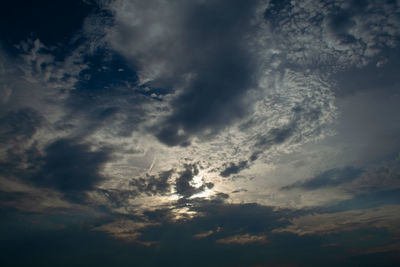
(200,133)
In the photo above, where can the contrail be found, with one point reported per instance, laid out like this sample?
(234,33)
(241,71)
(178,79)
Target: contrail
(151,166)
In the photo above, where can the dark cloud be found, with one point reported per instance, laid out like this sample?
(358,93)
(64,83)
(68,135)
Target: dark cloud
(212,100)
(10,198)
(339,24)
(275,136)
(249,218)
(152,184)
(183,186)
(107,112)
(204,41)
(234,168)
(372,199)
(239,190)
(117,198)
(47,238)
(332,177)
(217,214)
(275,11)
(19,125)
(16,130)
(70,166)
(212,74)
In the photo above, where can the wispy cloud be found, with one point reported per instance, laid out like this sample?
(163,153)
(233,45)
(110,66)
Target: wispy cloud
(384,217)
(243,239)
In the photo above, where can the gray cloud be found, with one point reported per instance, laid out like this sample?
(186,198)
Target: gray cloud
(233,168)
(70,166)
(153,185)
(200,47)
(275,136)
(203,84)
(183,185)
(381,176)
(19,125)
(335,32)
(333,177)
(330,223)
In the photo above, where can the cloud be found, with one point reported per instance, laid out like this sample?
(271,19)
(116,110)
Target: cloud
(70,166)
(204,234)
(342,34)
(127,230)
(381,249)
(154,185)
(20,125)
(183,184)
(274,109)
(381,176)
(249,218)
(333,177)
(200,49)
(25,197)
(383,217)
(233,168)
(152,111)
(243,239)
(51,67)
(166,91)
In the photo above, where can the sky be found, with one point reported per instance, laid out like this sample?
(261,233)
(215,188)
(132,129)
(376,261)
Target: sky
(200,133)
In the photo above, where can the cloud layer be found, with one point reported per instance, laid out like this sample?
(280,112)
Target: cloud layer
(224,125)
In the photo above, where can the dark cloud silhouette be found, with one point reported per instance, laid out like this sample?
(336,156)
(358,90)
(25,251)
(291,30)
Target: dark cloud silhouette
(70,166)
(152,184)
(234,168)
(332,177)
(213,97)
(183,186)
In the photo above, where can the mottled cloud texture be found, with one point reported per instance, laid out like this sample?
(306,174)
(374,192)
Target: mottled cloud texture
(203,126)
